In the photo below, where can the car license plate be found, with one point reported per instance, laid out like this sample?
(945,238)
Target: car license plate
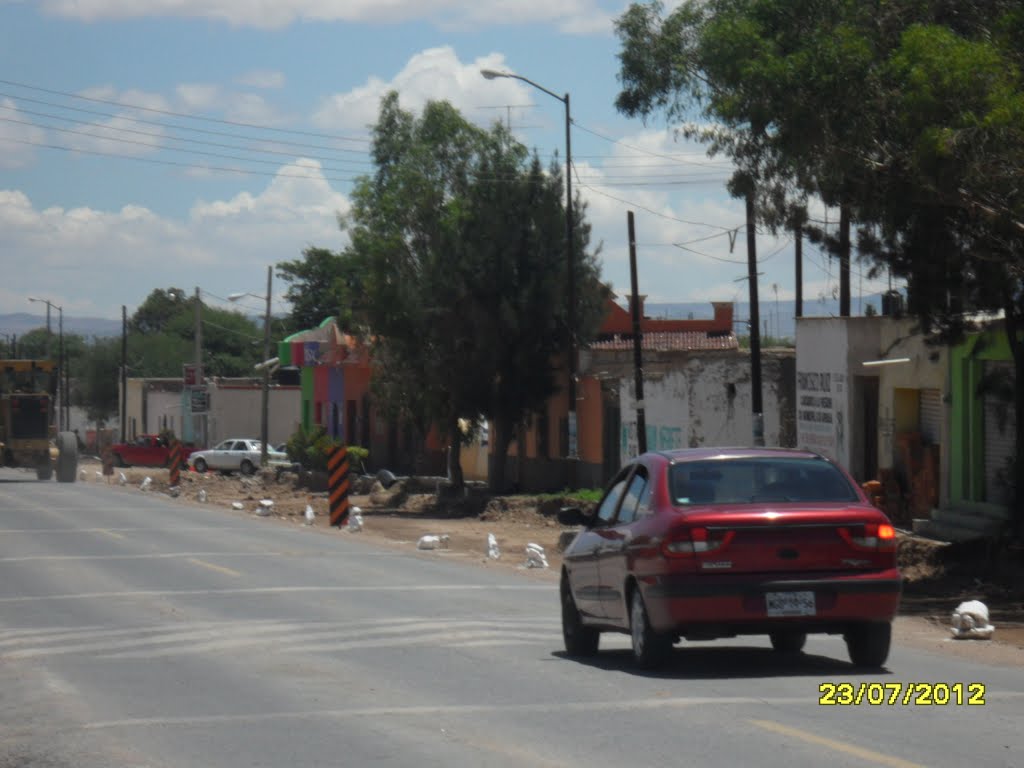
(790,603)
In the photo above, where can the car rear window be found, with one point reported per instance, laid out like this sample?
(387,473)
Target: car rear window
(749,480)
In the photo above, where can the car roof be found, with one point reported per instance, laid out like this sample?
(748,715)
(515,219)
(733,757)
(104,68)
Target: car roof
(699,454)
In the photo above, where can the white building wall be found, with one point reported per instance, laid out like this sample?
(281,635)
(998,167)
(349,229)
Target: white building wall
(705,402)
(830,357)
(235,411)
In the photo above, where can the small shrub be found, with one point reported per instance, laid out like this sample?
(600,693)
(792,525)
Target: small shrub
(312,449)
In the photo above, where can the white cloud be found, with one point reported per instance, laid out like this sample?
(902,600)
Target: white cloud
(435,74)
(17,136)
(571,16)
(93,261)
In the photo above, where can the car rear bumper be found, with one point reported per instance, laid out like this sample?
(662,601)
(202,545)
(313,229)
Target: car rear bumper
(683,604)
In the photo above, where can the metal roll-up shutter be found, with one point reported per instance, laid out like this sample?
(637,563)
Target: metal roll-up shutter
(999,437)
(930,415)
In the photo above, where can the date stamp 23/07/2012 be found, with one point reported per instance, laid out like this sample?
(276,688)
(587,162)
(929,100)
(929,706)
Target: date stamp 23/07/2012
(901,694)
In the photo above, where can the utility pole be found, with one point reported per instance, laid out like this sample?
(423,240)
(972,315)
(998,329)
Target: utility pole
(199,425)
(798,238)
(844,261)
(265,394)
(755,320)
(124,373)
(638,364)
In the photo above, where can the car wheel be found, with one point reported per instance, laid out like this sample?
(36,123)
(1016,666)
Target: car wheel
(868,644)
(118,461)
(580,640)
(247,467)
(650,648)
(788,642)
(200,465)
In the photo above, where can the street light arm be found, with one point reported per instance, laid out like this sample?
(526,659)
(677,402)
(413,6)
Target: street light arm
(491,74)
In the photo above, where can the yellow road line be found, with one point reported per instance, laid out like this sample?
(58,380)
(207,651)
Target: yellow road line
(111,533)
(837,746)
(212,567)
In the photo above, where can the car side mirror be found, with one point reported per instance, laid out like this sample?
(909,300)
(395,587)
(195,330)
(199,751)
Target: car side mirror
(573,516)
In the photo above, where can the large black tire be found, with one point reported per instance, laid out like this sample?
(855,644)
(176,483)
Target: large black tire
(650,649)
(118,461)
(868,644)
(199,465)
(67,458)
(580,640)
(247,468)
(788,641)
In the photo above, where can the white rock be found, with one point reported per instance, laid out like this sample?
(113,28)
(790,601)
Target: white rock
(174,491)
(237,505)
(970,621)
(355,520)
(535,557)
(122,478)
(201,495)
(264,507)
(310,514)
(433,542)
(98,474)
(82,474)
(492,547)
(146,483)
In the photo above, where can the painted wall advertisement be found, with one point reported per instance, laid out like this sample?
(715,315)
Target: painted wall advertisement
(820,414)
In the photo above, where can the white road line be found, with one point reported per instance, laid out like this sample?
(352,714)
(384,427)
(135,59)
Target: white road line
(150,556)
(294,637)
(282,591)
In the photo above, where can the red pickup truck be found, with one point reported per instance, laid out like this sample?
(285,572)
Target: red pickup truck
(147,451)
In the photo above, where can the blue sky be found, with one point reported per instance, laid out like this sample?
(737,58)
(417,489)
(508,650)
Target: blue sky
(98,208)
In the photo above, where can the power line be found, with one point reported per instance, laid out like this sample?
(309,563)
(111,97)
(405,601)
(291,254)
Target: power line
(655,213)
(640,149)
(157,135)
(185,115)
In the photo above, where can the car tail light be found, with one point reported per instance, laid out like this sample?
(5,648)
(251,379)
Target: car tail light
(688,542)
(877,536)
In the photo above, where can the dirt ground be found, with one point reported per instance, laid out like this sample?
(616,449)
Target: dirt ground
(937,577)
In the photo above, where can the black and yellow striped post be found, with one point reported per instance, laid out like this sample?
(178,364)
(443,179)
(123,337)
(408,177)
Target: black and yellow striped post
(338,485)
(174,462)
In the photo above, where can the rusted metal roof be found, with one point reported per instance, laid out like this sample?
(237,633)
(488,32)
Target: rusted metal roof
(671,341)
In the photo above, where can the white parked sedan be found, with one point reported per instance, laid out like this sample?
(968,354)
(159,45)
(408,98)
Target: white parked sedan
(234,455)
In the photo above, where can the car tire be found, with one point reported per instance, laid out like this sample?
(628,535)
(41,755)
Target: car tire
(247,467)
(199,465)
(788,641)
(580,640)
(118,461)
(650,648)
(44,472)
(868,644)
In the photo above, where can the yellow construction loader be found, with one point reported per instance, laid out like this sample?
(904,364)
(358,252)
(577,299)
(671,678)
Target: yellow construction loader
(28,431)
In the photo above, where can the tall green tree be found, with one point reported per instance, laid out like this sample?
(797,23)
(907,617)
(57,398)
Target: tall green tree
(459,242)
(95,386)
(321,284)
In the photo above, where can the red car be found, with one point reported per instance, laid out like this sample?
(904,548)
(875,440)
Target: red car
(710,543)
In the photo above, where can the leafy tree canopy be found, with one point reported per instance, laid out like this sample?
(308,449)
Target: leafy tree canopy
(459,243)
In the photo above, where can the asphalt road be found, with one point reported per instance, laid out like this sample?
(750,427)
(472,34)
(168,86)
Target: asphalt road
(135,631)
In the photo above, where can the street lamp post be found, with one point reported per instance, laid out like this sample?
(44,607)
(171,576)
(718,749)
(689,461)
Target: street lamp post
(491,74)
(61,374)
(265,366)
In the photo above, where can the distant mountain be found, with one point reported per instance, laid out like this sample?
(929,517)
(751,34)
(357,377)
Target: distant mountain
(779,318)
(20,323)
